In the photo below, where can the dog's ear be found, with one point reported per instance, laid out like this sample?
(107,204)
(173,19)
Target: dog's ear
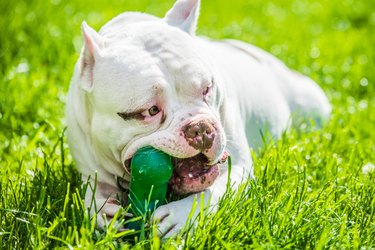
(184,15)
(93,44)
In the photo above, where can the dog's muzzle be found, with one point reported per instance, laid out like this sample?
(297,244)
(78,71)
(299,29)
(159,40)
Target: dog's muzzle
(198,172)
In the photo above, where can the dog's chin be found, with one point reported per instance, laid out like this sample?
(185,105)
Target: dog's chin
(190,175)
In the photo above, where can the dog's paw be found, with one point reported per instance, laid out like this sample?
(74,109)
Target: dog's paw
(109,211)
(171,218)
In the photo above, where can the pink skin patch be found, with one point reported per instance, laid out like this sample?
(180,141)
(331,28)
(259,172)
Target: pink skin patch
(224,157)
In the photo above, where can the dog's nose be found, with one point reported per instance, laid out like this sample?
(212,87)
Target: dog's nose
(200,135)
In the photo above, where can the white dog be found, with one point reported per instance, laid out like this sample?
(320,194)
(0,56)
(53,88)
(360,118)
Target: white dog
(142,80)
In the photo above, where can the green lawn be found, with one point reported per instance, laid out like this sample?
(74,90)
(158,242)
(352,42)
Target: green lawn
(310,191)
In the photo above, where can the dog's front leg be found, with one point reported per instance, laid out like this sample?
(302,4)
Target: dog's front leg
(172,217)
(104,200)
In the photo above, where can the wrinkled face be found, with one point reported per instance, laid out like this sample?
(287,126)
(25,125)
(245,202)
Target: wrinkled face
(157,89)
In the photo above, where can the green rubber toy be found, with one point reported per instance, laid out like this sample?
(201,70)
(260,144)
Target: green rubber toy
(151,170)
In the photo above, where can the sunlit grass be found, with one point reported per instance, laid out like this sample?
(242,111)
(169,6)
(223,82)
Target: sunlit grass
(310,191)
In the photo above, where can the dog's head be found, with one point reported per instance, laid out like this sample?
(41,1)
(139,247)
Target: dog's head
(148,82)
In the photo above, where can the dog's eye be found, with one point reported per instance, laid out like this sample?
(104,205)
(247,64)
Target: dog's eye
(140,114)
(205,92)
(208,88)
(154,110)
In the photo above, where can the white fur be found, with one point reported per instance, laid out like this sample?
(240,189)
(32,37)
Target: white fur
(136,61)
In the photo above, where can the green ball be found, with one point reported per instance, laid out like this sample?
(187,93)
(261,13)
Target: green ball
(151,170)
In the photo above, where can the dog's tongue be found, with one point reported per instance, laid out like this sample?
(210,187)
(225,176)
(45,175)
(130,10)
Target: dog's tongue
(192,175)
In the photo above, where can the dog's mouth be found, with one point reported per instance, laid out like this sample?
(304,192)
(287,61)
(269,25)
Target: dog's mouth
(190,175)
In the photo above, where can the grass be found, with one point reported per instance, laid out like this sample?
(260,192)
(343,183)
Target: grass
(310,191)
